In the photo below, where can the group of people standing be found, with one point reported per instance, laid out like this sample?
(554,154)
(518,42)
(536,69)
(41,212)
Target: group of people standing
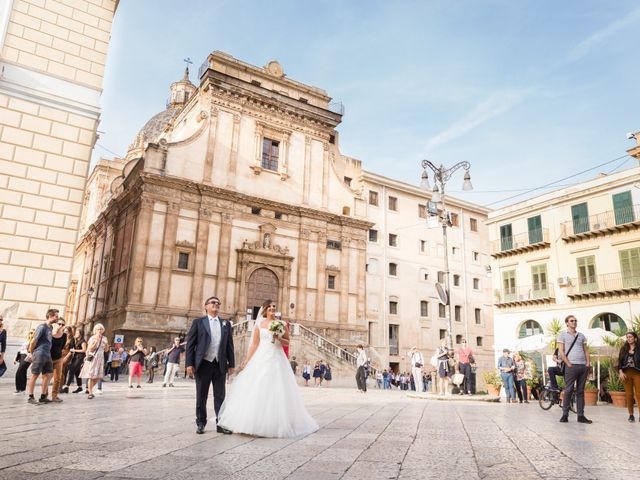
(321,372)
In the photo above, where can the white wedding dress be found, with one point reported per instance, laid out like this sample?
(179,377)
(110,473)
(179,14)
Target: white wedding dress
(264,399)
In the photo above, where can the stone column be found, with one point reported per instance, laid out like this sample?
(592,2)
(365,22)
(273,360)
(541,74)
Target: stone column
(321,280)
(307,170)
(362,294)
(139,253)
(303,269)
(168,249)
(224,251)
(233,158)
(325,176)
(211,145)
(344,280)
(202,241)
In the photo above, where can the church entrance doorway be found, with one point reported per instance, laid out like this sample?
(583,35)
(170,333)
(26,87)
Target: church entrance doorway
(262,285)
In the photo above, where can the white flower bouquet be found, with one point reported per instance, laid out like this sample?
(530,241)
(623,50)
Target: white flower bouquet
(277,329)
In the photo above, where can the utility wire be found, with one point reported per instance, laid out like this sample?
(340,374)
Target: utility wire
(557,181)
(107,150)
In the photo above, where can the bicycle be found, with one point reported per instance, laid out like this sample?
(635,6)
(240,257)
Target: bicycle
(549,398)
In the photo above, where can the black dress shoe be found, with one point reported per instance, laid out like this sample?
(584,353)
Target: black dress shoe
(200,429)
(564,419)
(220,429)
(583,419)
(632,419)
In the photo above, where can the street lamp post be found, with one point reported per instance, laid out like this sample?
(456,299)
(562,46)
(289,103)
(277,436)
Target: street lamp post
(440,177)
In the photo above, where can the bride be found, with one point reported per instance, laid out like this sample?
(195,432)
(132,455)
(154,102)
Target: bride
(264,399)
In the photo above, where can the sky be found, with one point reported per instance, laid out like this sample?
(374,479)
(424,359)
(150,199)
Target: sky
(528,92)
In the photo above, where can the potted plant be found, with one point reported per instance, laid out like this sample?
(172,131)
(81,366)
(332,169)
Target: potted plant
(493,381)
(615,388)
(590,394)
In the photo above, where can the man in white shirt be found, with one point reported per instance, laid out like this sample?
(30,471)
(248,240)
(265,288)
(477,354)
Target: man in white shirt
(417,362)
(361,376)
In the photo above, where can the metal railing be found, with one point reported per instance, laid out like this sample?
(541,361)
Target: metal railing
(512,242)
(525,293)
(609,282)
(336,107)
(601,221)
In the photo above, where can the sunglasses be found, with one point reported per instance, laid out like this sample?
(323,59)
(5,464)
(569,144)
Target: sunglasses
(213,302)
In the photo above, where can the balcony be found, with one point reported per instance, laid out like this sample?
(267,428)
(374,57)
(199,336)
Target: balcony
(600,286)
(525,295)
(522,242)
(607,223)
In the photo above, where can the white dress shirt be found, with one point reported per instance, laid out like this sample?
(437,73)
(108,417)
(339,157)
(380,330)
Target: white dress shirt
(362,358)
(216,336)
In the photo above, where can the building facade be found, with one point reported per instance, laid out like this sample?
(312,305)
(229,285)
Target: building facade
(52,58)
(572,251)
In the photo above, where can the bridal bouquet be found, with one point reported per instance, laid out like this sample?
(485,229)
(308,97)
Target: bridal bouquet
(277,329)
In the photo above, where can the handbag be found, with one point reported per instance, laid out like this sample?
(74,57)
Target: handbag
(457,378)
(89,356)
(451,362)
(562,365)
(434,361)
(3,368)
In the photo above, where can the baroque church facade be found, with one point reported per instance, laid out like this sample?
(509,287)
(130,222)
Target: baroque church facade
(238,189)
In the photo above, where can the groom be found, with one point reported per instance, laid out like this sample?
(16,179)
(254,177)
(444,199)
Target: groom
(209,356)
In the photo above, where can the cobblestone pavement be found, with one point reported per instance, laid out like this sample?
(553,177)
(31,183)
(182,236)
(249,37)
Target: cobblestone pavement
(150,433)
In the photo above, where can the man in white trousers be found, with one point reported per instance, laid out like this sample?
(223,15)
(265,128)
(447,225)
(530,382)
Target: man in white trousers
(417,362)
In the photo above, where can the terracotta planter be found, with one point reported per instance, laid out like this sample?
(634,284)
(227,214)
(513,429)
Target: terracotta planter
(493,391)
(618,400)
(590,398)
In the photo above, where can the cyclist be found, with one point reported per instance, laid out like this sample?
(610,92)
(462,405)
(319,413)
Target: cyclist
(553,371)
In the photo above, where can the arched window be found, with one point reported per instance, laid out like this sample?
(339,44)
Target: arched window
(608,321)
(528,328)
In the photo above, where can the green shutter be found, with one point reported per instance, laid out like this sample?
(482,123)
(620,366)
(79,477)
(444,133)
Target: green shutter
(587,274)
(623,207)
(506,237)
(509,285)
(539,279)
(535,229)
(580,217)
(630,267)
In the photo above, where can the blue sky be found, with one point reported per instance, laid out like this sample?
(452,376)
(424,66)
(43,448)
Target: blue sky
(529,92)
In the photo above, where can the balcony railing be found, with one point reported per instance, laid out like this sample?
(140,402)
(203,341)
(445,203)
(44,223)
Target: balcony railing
(524,295)
(602,285)
(531,240)
(612,221)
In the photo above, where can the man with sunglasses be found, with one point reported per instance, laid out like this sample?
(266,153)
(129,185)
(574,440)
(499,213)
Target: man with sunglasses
(572,347)
(40,348)
(209,357)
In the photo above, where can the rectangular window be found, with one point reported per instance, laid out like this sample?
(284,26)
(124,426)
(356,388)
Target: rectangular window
(373,198)
(183,260)
(393,240)
(455,251)
(394,337)
(441,276)
(623,208)
(347,181)
(539,281)
(506,237)
(423,246)
(334,244)
(331,282)
(473,224)
(476,284)
(393,269)
(534,225)
(477,316)
(580,217)
(393,204)
(277,216)
(458,339)
(587,281)
(453,218)
(255,210)
(422,210)
(442,311)
(457,313)
(476,256)
(456,280)
(393,308)
(373,235)
(630,267)
(509,285)
(270,152)
(443,334)
(479,341)
(424,308)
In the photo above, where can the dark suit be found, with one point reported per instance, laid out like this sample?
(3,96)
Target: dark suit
(207,373)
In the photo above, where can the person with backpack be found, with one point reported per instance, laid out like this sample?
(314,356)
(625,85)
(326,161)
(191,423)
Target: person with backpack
(572,346)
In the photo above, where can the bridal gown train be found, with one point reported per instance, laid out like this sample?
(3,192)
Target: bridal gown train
(264,399)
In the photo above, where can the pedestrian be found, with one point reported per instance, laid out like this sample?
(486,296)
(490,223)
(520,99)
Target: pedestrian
(136,356)
(443,354)
(152,363)
(572,347)
(506,366)
(316,374)
(379,379)
(66,358)
(294,364)
(629,370)
(306,373)
(327,374)
(173,361)
(115,357)
(93,367)
(323,370)
(417,362)
(465,363)
(78,350)
(361,374)
(58,342)
(23,359)
(555,371)
(107,369)
(3,346)
(521,378)
(41,363)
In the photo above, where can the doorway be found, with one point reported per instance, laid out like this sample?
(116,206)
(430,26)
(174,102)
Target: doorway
(262,285)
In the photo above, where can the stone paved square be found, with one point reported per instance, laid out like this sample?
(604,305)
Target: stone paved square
(150,433)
